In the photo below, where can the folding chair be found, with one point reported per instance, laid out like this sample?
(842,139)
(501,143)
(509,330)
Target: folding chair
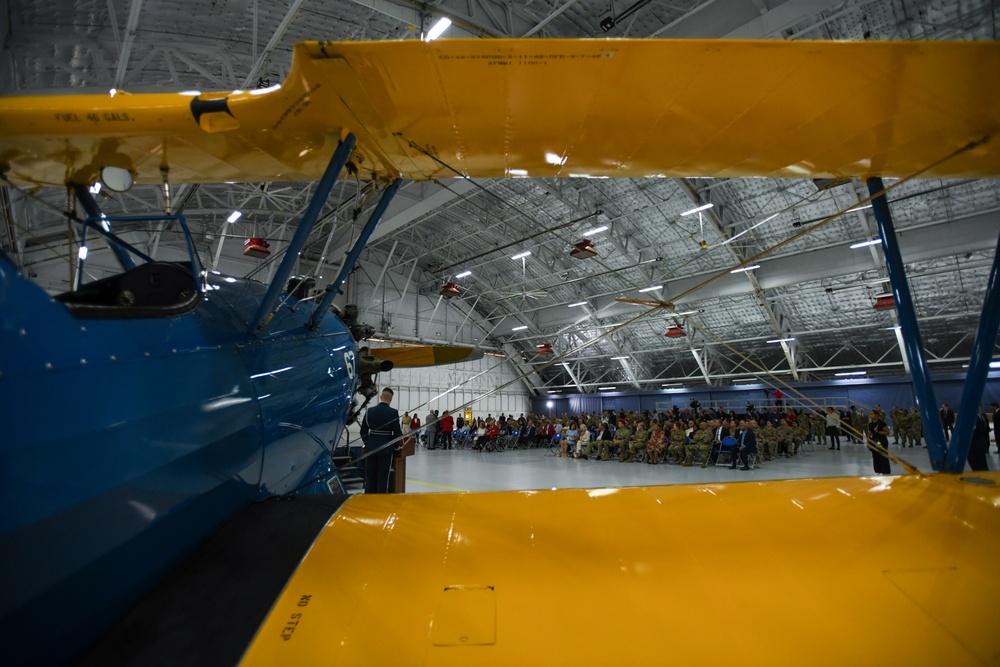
(728,449)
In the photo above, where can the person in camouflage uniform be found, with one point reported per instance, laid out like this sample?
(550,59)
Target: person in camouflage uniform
(785,438)
(894,414)
(858,422)
(639,439)
(701,441)
(676,448)
(914,428)
(767,439)
(799,436)
(622,435)
(818,423)
(901,425)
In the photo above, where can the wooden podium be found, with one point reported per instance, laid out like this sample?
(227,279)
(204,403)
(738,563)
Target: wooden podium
(399,464)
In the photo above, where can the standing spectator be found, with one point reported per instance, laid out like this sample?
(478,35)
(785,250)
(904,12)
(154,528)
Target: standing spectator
(447,425)
(431,429)
(980,443)
(878,435)
(947,420)
(833,427)
(779,398)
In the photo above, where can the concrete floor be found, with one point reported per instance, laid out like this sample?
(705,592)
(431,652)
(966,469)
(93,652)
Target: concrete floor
(465,470)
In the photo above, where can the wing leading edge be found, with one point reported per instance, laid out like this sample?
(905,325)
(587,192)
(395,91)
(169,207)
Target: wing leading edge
(545,108)
(829,571)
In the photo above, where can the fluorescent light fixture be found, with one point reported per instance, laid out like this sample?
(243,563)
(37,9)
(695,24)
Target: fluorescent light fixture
(234,216)
(606,388)
(520,328)
(596,230)
(552,158)
(851,373)
(553,391)
(686,312)
(438,29)
(95,189)
(858,208)
(464,274)
(995,364)
(83,252)
(781,340)
(650,289)
(746,268)
(671,384)
(895,328)
(618,358)
(521,255)
(864,244)
(697,209)
(578,303)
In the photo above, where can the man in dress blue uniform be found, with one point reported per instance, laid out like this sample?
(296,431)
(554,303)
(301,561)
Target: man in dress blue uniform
(379,427)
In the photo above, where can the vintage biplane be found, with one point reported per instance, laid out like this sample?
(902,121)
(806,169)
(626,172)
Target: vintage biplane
(145,410)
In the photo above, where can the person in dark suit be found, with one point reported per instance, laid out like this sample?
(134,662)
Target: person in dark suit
(878,432)
(980,444)
(747,443)
(947,420)
(380,427)
(720,430)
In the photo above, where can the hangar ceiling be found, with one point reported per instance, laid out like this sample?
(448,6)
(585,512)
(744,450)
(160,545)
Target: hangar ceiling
(815,289)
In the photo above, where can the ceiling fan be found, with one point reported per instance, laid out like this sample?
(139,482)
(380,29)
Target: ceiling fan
(524,293)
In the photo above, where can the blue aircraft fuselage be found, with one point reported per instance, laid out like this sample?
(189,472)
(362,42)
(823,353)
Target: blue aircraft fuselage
(127,441)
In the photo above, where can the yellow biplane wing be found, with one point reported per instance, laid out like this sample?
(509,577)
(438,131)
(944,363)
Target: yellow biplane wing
(415,356)
(841,571)
(545,108)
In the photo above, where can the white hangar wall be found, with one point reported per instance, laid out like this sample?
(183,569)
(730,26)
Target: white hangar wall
(423,389)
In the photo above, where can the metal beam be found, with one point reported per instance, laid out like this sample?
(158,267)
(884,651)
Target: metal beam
(273,42)
(548,19)
(126,48)
(573,377)
(979,367)
(923,388)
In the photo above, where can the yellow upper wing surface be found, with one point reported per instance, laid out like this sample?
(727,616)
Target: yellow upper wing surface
(415,356)
(545,108)
(843,571)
